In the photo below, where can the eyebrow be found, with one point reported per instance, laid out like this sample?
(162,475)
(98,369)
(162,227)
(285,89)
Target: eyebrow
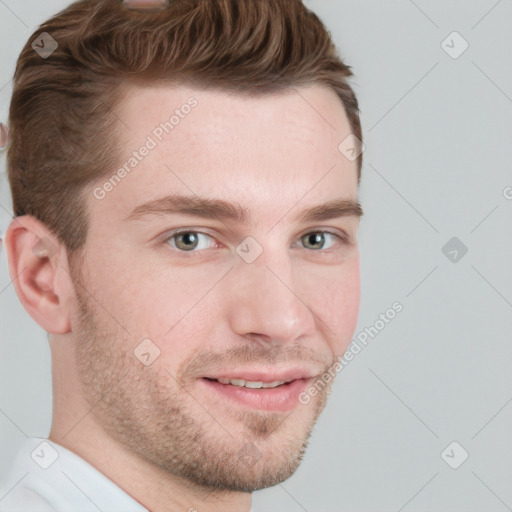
(219,209)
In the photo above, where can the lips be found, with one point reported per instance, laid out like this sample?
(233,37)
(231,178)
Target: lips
(263,376)
(262,390)
(250,384)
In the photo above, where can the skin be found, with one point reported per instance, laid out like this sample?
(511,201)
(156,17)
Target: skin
(157,431)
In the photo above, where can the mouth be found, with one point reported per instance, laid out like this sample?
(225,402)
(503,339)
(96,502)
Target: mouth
(250,384)
(264,392)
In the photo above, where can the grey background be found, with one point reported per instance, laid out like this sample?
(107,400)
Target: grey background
(438,135)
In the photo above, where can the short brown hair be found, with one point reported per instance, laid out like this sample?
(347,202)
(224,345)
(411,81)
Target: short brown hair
(62,113)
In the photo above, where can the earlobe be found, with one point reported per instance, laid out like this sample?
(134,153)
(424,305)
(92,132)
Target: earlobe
(35,259)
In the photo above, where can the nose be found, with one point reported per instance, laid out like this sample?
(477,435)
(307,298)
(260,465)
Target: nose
(266,305)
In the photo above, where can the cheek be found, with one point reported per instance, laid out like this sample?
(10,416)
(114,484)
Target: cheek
(143,293)
(337,305)
(165,304)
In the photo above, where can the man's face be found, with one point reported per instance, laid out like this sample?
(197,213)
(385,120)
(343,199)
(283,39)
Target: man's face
(213,303)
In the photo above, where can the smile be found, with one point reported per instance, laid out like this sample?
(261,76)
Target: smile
(277,395)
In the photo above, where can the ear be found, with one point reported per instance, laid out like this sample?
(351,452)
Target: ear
(39,271)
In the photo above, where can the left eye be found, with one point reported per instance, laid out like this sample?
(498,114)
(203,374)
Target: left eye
(318,237)
(189,241)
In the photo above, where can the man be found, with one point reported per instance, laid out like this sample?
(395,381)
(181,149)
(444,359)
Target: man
(186,232)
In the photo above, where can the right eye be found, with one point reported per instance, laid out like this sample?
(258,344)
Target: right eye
(187,240)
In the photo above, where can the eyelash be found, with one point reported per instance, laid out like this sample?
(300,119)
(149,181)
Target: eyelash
(343,240)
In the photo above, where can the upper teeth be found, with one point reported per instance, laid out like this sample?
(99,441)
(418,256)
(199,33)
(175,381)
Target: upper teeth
(250,384)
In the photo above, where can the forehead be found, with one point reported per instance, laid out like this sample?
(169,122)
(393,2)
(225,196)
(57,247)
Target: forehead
(307,108)
(259,150)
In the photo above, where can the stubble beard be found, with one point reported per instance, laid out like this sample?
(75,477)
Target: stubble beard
(147,412)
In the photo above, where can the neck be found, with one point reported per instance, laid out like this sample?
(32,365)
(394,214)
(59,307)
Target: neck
(153,487)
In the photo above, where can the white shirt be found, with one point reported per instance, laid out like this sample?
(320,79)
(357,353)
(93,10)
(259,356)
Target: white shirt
(46,477)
